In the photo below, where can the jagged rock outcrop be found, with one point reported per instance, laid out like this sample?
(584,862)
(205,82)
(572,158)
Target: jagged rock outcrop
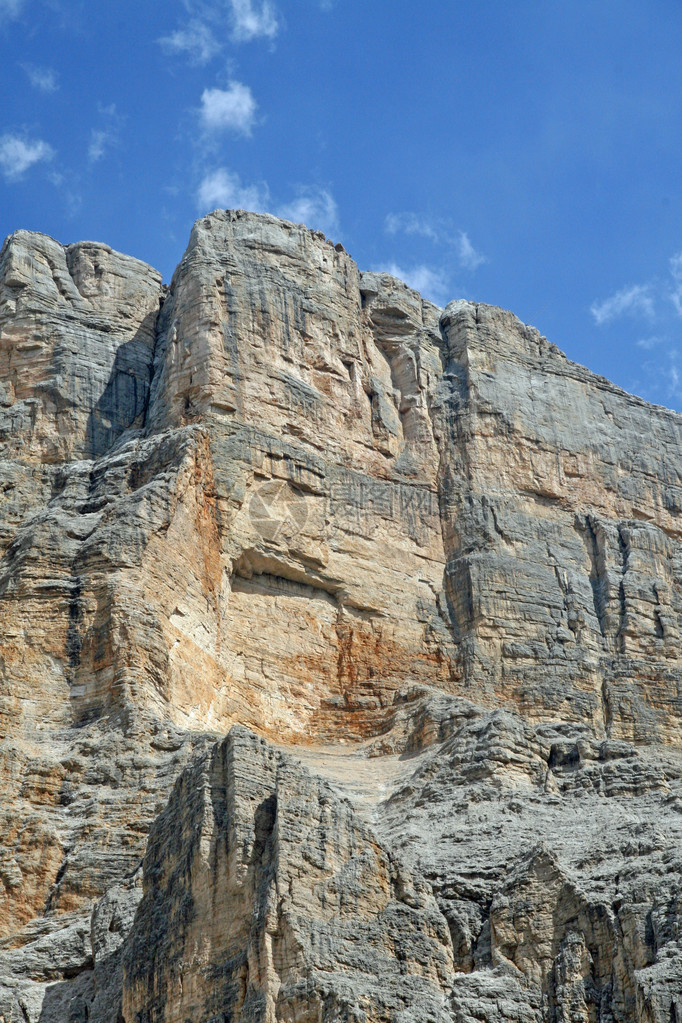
(314,918)
(78,328)
(427,571)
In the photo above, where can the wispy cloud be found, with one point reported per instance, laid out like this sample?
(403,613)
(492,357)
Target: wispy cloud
(651,300)
(649,343)
(99,139)
(44,79)
(656,301)
(440,233)
(314,208)
(431,282)
(469,257)
(637,300)
(10,8)
(661,375)
(676,274)
(231,109)
(19,153)
(196,40)
(411,223)
(224,189)
(253,20)
(107,135)
(210,25)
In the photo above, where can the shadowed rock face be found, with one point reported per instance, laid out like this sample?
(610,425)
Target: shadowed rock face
(562,532)
(430,569)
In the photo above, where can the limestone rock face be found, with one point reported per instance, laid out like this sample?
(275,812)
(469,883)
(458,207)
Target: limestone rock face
(312,384)
(562,532)
(315,918)
(426,575)
(77,329)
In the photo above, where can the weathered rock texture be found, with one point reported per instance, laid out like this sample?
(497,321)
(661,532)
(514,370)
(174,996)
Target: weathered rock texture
(424,571)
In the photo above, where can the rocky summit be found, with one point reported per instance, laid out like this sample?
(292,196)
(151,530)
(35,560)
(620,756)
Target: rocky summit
(340,668)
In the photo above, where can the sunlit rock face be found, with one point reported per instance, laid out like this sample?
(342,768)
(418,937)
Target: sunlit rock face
(78,329)
(432,572)
(312,385)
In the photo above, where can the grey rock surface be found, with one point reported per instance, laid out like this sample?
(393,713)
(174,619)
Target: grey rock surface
(268,896)
(562,531)
(425,572)
(77,329)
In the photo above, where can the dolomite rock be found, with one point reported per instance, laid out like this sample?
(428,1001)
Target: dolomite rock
(508,872)
(314,918)
(562,532)
(77,328)
(428,571)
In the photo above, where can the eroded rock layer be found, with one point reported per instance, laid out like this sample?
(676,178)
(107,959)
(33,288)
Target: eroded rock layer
(427,571)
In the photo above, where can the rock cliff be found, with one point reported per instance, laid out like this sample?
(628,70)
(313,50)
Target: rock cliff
(339,660)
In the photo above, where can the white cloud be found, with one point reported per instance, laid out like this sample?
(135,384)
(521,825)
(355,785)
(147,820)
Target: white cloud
(658,300)
(251,21)
(212,23)
(676,273)
(98,144)
(430,282)
(11,8)
(647,343)
(635,301)
(469,258)
(223,189)
(231,109)
(410,223)
(316,209)
(660,379)
(18,154)
(651,300)
(196,40)
(42,78)
(414,224)
(107,136)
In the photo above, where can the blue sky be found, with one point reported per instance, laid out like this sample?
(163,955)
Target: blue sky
(525,154)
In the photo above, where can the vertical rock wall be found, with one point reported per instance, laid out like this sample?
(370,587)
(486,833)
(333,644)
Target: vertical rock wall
(562,497)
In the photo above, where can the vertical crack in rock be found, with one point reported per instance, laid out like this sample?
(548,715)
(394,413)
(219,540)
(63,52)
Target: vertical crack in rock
(624,548)
(74,641)
(596,554)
